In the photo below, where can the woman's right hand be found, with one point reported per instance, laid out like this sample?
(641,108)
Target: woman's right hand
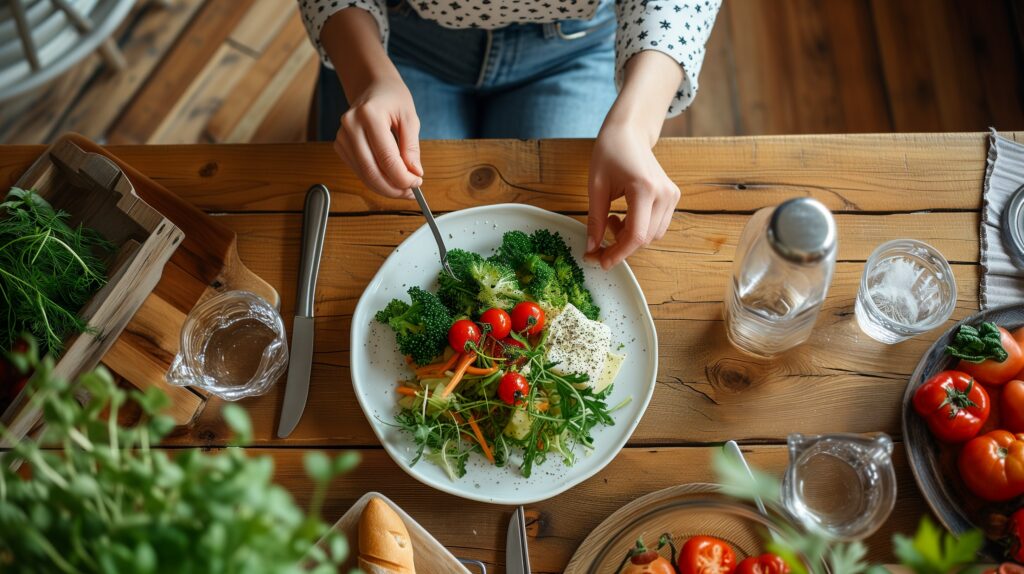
(381,112)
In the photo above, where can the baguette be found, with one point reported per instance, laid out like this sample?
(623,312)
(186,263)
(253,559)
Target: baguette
(384,543)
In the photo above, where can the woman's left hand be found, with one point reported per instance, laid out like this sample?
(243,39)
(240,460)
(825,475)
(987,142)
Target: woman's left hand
(623,165)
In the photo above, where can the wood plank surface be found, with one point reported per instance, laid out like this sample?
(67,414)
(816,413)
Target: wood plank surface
(702,378)
(850,173)
(477,530)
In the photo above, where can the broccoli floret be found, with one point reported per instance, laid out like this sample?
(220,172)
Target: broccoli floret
(541,284)
(516,247)
(499,287)
(580,297)
(459,293)
(421,328)
(550,245)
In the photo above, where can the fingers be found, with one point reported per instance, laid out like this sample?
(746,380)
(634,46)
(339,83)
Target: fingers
(664,209)
(370,149)
(634,233)
(600,203)
(409,142)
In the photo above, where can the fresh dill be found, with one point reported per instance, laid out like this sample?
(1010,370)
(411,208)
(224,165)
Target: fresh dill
(48,271)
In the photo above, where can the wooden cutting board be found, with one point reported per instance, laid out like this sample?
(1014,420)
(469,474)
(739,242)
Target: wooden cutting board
(206,263)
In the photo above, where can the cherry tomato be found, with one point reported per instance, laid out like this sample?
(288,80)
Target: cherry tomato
(513,388)
(527,317)
(644,560)
(990,372)
(954,406)
(461,333)
(706,555)
(1016,536)
(764,564)
(1011,406)
(499,321)
(992,465)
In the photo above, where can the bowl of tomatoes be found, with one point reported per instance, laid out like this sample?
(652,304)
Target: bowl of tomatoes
(963,425)
(686,529)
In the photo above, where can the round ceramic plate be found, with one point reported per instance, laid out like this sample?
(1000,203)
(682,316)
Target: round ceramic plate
(932,464)
(377,364)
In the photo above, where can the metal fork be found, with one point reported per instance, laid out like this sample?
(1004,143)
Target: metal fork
(442,250)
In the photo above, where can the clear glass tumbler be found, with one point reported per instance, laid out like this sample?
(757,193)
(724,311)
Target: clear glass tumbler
(907,289)
(842,485)
(232,345)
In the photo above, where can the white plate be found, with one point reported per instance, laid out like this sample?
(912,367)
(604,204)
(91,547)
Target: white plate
(377,364)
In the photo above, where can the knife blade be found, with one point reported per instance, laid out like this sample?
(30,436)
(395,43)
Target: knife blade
(314,226)
(517,555)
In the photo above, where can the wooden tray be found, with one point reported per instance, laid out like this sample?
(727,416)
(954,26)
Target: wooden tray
(96,194)
(206,263)
(430,555)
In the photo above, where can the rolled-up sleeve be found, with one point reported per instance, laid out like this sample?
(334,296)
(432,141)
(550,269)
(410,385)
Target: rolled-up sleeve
(677,28)
(316,12)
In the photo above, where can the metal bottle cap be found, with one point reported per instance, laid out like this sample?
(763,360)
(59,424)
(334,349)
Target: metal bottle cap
(802,230)
(1013,227)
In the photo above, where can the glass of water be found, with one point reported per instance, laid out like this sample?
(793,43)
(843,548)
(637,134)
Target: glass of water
(907,289)
(232,345)
(842,485)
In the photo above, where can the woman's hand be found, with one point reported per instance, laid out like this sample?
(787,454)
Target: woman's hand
(380,110)
(623,163)
(366,138)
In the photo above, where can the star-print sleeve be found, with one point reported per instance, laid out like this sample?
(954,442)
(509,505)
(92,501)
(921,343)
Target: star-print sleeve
(316,12)
(679,28)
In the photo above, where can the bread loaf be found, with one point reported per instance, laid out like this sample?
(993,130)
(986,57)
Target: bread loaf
(384,543)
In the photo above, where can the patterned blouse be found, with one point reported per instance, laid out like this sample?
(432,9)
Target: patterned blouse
(679,28)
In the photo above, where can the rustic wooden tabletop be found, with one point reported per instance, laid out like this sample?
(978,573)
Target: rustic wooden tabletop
(881,187)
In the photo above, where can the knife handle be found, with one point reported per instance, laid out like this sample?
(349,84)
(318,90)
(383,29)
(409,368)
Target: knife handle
(314,226)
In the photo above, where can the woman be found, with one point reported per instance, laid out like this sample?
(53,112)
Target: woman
(453,69)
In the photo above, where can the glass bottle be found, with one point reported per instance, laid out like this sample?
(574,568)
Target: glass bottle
(783,267)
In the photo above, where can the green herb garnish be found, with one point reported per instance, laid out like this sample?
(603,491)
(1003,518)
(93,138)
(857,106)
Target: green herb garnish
(48,271)
(976,345)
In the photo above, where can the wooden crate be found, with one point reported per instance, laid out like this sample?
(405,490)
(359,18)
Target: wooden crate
(97,194)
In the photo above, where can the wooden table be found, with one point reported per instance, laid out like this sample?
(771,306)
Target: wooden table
(881,187)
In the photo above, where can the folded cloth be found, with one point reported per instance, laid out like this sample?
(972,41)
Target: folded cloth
(1002,281)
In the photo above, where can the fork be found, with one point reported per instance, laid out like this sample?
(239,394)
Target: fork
(442,250)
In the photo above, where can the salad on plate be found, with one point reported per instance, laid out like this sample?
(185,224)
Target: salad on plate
(508,359)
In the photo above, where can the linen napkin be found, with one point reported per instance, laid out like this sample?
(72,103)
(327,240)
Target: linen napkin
(1002,282)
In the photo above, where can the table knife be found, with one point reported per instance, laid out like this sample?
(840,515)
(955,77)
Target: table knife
(314,225)
(517,555)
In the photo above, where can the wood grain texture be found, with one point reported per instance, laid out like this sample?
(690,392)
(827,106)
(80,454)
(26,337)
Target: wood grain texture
(477,530)
(850,173)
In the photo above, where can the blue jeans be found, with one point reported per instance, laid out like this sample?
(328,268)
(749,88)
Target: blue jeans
(527,81)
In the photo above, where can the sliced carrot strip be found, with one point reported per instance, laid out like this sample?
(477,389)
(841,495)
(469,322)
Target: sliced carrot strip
(479,371)
(438,367)
(480,439)
(460,371)
(407,391)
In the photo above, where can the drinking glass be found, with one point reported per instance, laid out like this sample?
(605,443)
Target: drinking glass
(907,289)
(232,345)
(842,485)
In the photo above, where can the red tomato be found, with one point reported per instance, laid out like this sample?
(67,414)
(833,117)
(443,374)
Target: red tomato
(1016,536)
(1012,406)
(990,372)
(461,333)
(954,406)
(513,388)
(527,317)
(643,560)
(992,465)
(499,321)
(764,564)
(706,555)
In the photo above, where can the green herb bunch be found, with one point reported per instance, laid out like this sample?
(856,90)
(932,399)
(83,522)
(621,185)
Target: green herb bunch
(930,551)
(95,496)
(48,271)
